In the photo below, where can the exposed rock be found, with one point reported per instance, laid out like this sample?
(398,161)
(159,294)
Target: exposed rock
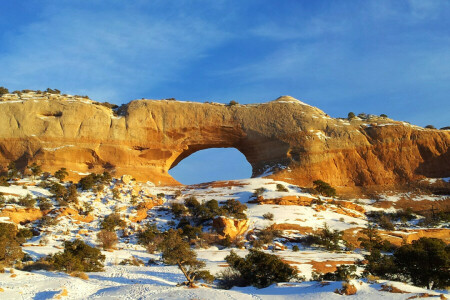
(126,179)
(286,200)
(22,215)
(231,227)
(298,142)
(67,211)
(143,207)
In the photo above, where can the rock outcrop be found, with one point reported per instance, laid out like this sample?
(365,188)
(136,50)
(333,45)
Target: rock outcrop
(286,138)
(230,227)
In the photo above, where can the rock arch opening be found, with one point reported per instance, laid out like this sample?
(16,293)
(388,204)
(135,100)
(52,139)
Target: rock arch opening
(211,164)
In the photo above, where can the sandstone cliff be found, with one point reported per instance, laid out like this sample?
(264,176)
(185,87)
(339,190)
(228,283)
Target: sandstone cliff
(296,142)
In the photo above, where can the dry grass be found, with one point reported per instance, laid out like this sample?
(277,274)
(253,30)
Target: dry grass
(79,274)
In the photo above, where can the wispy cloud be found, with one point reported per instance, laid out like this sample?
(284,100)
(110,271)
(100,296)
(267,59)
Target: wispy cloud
(102,53)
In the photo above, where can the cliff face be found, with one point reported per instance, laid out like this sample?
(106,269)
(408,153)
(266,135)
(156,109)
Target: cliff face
(298,143)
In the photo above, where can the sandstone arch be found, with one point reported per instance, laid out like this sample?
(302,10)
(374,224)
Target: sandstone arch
(298,142)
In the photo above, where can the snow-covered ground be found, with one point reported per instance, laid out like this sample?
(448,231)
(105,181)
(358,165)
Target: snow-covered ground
(160,281)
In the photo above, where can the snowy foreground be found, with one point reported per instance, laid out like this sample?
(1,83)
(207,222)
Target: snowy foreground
(159,281)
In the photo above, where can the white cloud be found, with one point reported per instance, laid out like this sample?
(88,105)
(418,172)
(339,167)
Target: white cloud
(102,53)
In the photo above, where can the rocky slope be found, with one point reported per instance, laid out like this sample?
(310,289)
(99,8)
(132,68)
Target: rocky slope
(296,142)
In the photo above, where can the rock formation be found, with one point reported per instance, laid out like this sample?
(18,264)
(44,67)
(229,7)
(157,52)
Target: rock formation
(285,138)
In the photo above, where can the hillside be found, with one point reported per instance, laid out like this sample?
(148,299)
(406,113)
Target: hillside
(297,213)
(284,139)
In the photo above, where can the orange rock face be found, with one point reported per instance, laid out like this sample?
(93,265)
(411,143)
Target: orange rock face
(22,215)
(231,227)
(298,143)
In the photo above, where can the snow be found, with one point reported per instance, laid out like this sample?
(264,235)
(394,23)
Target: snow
(161,281)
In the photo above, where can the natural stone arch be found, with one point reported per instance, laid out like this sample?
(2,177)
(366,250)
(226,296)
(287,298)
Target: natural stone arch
(299,142)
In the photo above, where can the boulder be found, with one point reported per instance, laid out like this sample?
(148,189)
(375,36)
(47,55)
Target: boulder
(231,227)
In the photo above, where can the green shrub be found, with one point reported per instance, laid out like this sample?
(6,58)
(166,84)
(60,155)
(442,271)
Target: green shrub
(204,275)
(343,272)
(426,262)
(44,203)
(47,221)
(61,174)
(112,221)
(430,127)
(260,269)
(133,261)
(191,232)
(267,235)
(91,180)
(281,188)
(259,192)
(324,188)
(2,201)
(148,235)
(3,90)
(176,251)
(234,208)
(23,235)
(268,216)
(329,239)
(295,248)
(77,256)
(178,209)
(373,240)
(384,116)
(27,201)
(35,169)
(351,115)
(10,250)
(232,103)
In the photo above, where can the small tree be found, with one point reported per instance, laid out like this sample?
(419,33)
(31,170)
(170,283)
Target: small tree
(3,90)
(260,269)
(78,256)
(107,239)
(234,208)
(112,221)
(351,115)
(384,116)
(373,240)
(281,188)
(12,171)
(330,239)
(61,174)
(232,103)
(10,250)
(35,169)
(430,127)
(324,188)
(176,251)
(426,262)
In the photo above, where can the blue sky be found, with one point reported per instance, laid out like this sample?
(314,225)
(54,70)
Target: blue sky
(378,56)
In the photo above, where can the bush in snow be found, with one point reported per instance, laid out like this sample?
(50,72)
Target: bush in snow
(258,269)
(343,272)
(107,239)
(324,188)
(281,188)
(10,250)
(112,221)
(77,256)
(268,216)
(176,251)
(61,174)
